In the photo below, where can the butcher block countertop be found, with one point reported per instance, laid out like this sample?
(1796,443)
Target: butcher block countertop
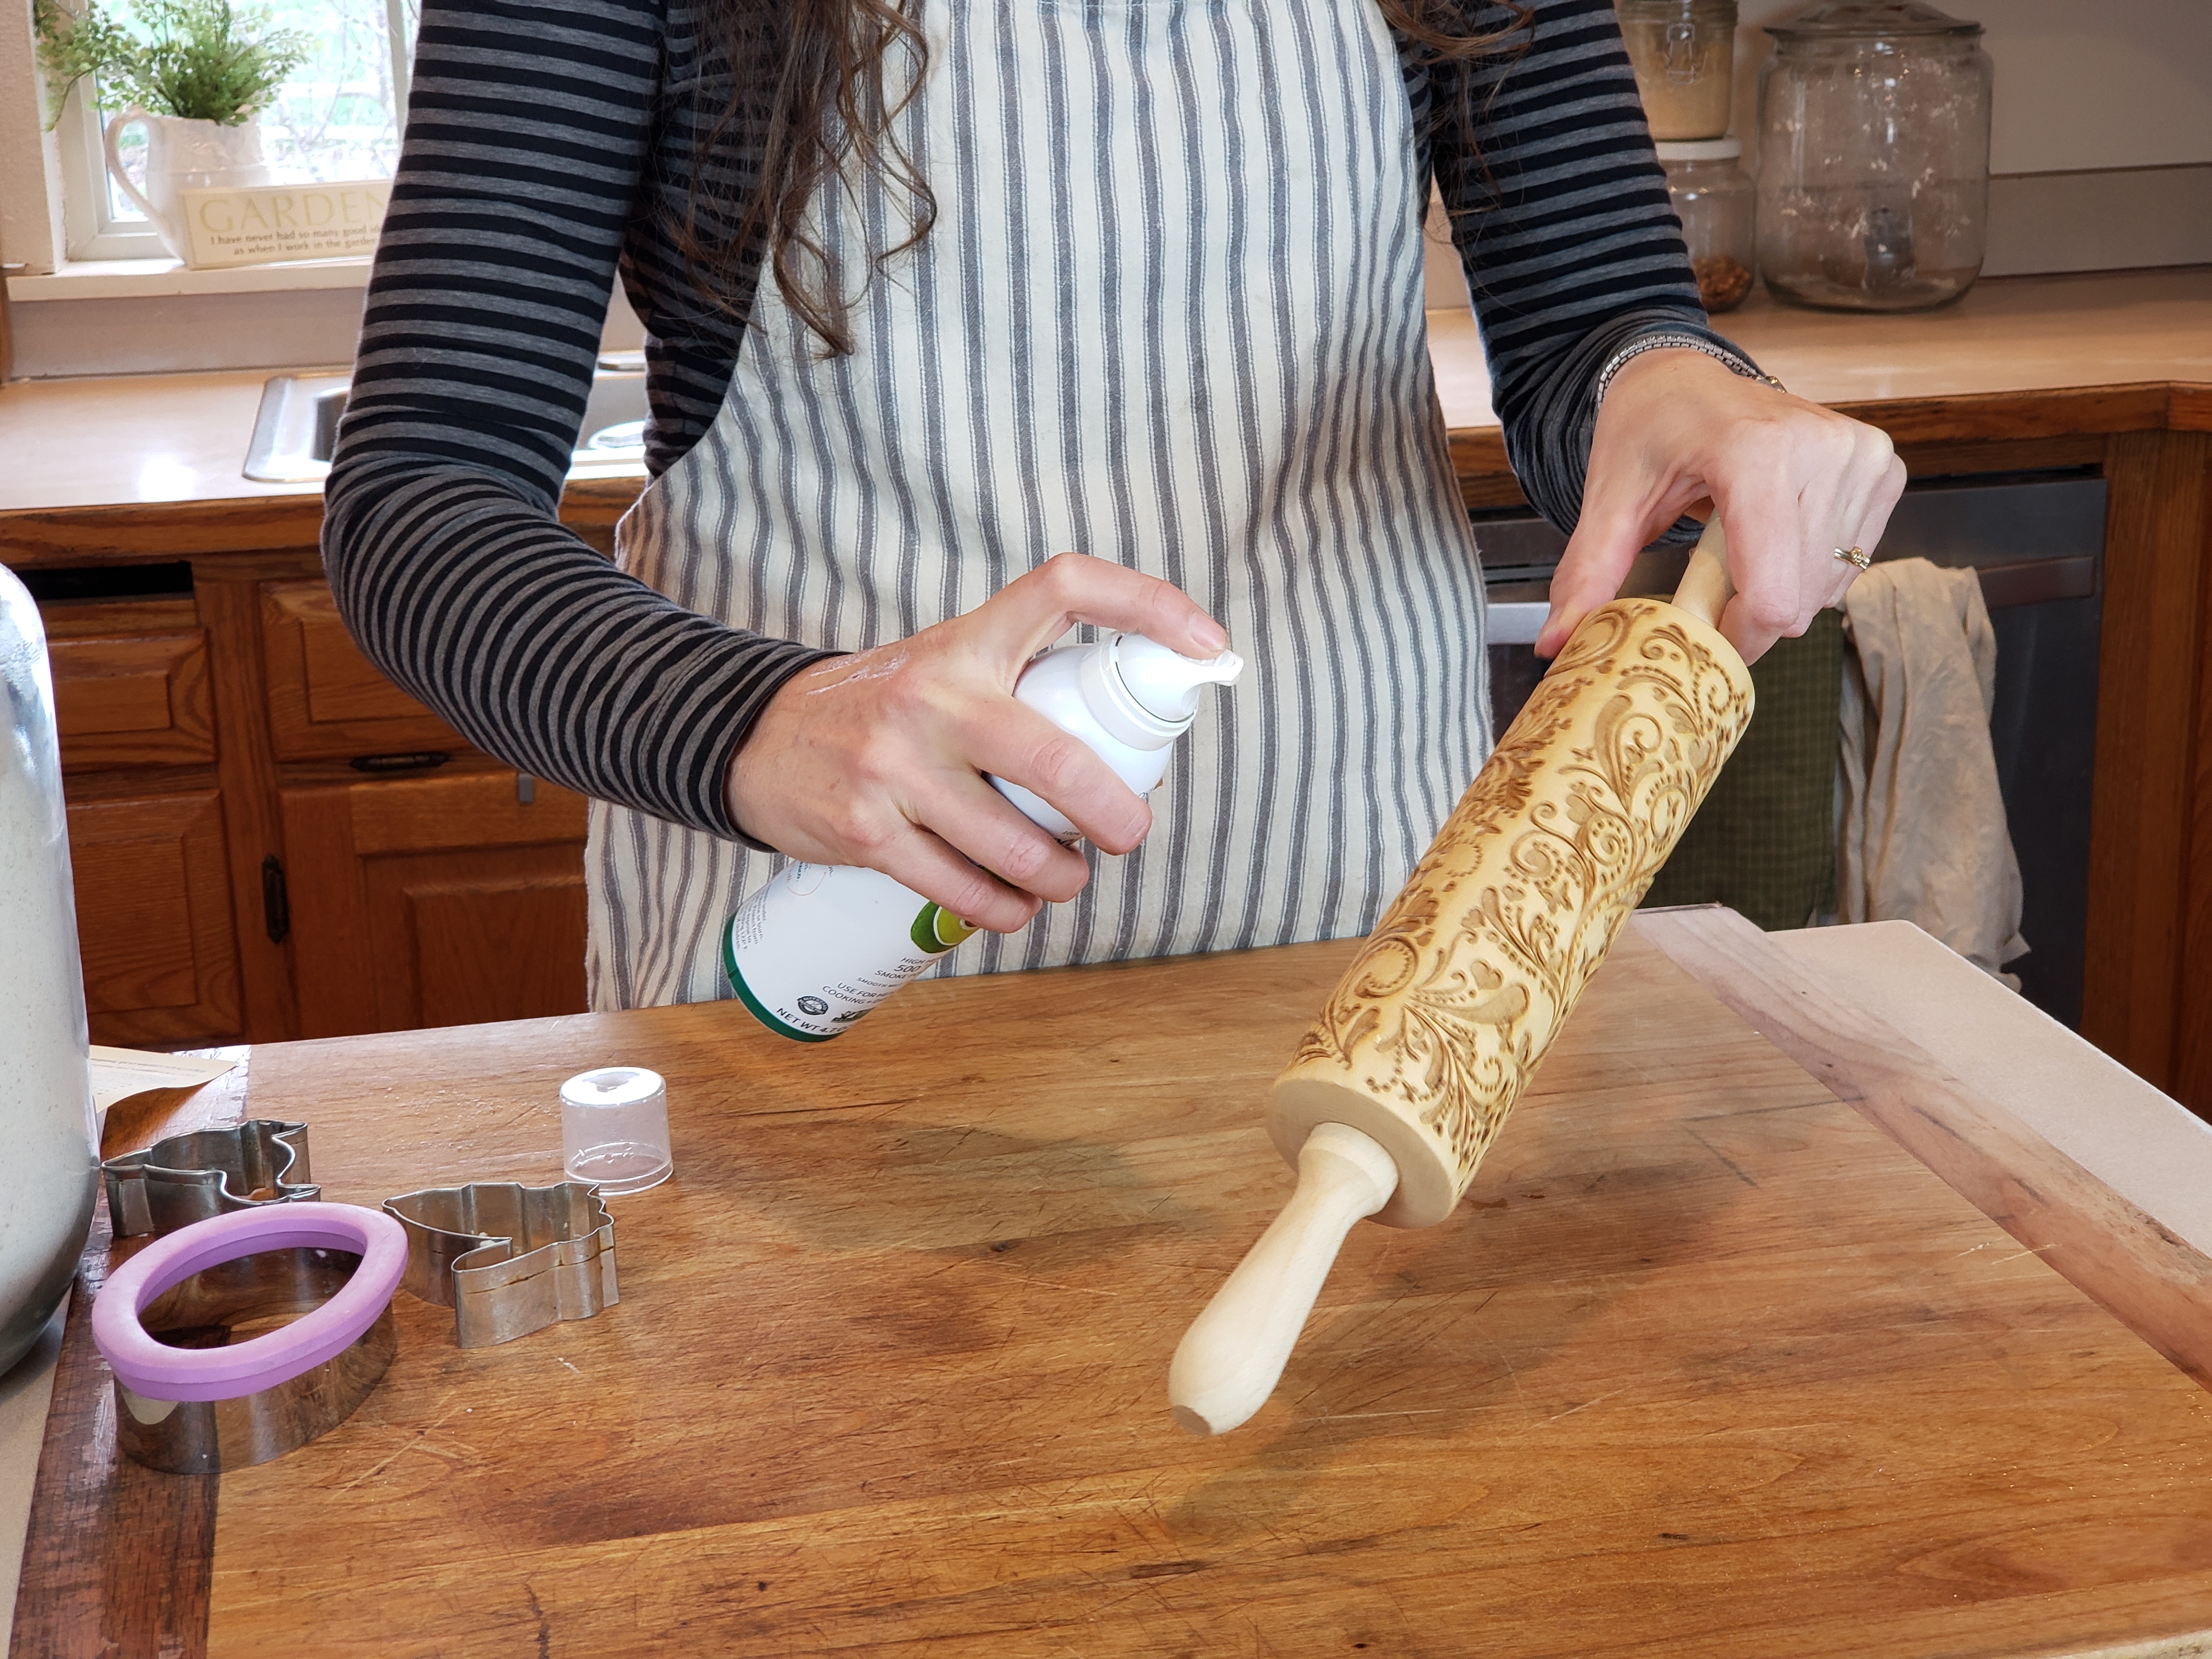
(1708,1363)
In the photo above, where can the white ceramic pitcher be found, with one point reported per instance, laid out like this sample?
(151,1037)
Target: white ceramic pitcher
(181,155)
(49,1140)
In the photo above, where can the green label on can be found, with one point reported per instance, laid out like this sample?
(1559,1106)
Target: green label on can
(937,930)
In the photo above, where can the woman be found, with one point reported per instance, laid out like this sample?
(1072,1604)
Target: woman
(935,292)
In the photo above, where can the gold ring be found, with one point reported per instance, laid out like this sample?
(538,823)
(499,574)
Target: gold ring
(1857,556)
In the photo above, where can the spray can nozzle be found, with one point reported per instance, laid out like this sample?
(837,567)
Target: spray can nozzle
(1145,694)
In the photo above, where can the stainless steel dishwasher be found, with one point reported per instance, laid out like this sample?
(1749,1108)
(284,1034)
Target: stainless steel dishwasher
(2038,541)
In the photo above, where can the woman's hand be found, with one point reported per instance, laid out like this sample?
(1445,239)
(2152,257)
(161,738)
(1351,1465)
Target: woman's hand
(1792,482)
(875,759)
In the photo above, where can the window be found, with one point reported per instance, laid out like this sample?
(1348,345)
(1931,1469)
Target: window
(338,117)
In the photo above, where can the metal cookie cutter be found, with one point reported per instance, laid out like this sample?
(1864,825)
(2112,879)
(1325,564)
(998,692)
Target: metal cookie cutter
(197,1391)
(508,1260)
(211,1172)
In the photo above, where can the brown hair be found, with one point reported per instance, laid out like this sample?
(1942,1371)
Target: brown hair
(814,73)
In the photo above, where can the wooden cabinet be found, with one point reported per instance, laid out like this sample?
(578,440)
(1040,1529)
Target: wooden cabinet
(327,701)
(153,917)
(445,899)
(238,875)
(430,895)
(156,925)
(133,700)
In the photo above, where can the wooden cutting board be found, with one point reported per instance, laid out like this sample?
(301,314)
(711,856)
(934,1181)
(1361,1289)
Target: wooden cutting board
(1707,1364)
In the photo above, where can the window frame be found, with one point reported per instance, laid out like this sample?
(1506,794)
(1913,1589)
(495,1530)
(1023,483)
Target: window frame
(91,230)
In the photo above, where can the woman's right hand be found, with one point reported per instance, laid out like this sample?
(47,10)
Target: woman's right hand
(876,758)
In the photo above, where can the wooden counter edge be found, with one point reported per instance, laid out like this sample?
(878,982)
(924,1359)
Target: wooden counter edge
(147,531)
(93,1522)
(2157,1286)
(143,533)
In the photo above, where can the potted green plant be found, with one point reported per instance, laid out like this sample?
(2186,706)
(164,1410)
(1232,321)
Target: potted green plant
(194,73)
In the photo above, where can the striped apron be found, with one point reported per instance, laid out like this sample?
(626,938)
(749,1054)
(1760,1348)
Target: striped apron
(1170,315)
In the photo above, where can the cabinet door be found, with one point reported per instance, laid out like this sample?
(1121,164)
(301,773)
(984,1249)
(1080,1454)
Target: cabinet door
(132,699)
(437,901)
(327,701)
(153,918)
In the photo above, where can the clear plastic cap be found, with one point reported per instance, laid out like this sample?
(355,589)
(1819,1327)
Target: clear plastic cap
(614,1129)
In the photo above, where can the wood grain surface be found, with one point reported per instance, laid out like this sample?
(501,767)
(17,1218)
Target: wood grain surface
(133,700)
(327,701)
(2150,864)
(113,1547)
(98,1523)
(231,604)
(438,900)
(153,903)
(2157,1285)
(2192,1065)
(1706,1364)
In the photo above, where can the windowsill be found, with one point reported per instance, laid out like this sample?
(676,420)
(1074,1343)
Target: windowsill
(121,279)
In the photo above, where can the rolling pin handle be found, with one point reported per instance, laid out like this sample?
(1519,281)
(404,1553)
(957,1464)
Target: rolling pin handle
(1707,588)
(1229,1359)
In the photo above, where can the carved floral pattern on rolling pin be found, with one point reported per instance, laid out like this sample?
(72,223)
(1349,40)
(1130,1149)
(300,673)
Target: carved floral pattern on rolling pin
(1460,990)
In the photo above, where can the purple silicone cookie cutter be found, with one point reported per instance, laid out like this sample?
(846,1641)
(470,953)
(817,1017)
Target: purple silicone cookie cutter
(155,1370)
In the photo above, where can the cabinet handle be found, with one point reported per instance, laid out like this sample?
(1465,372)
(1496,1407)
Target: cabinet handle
(275,901)
(422,761)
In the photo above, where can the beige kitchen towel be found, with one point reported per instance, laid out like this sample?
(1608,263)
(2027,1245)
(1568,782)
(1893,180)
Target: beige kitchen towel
(1922,836)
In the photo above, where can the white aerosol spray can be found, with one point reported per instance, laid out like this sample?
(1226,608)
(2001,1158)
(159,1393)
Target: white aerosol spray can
(821,944)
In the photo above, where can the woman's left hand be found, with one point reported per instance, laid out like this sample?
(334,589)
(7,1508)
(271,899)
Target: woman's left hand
(1792,481)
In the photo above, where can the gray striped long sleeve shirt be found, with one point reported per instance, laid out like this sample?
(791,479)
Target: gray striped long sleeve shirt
(549,147)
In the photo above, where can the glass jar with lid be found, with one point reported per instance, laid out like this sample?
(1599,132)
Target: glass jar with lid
(1683,53)
(1874,156)
(1714,201)
(51,1172)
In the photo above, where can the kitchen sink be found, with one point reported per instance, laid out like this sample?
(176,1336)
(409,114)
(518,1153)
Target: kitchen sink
(297,427)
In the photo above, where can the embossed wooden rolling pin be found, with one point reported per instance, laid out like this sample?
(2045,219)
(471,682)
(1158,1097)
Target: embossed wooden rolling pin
(1402,1082)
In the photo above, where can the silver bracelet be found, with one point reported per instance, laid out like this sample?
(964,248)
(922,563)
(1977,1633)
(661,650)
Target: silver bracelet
(1636,348)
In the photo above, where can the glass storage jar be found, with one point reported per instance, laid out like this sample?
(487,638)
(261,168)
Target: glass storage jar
(1714,201)
(1684,55)
(50,1171)
(1874,156)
